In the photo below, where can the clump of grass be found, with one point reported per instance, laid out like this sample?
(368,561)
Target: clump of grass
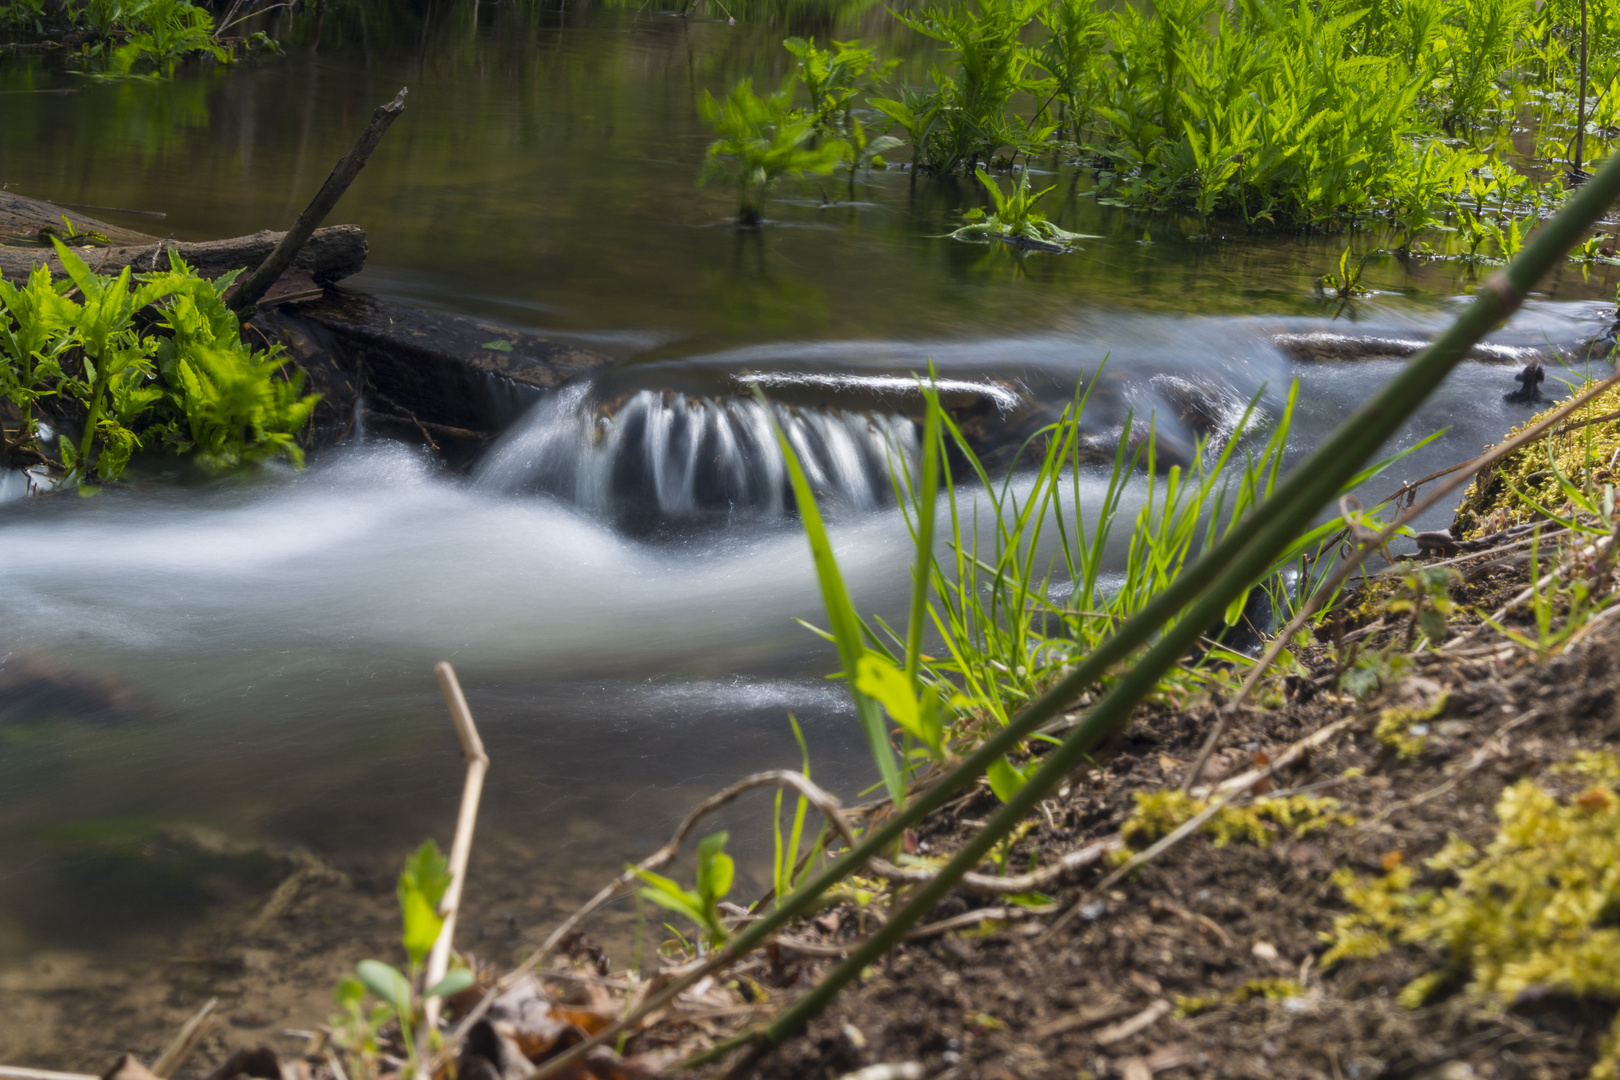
(1014,217)
(1533,910)
(1028,581)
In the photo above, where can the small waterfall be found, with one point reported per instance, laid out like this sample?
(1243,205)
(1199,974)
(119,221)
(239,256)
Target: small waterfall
(667,456)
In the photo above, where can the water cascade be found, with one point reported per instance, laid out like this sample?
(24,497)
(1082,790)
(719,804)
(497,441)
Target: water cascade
(668,456)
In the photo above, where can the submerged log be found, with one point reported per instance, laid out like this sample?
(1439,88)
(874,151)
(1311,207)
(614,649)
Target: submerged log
(332,254)
(1323,347)
(429,372)
(426,374)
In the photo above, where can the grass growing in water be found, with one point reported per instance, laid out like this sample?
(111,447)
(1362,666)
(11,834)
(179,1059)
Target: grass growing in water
(1261,113)
(1014,605)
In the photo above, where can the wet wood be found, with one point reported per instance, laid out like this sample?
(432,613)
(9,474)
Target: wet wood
(1326,347)
(331,254)
(447,373)
(21,218)
(291,244)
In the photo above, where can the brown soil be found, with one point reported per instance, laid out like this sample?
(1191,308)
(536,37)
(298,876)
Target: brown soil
(1204,922)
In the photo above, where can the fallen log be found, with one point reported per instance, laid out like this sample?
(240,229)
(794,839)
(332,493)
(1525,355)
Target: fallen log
(447,374)
(21,218)
(331,254)
(1326,347)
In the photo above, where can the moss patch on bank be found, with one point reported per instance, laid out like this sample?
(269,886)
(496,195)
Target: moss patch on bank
(1525,485)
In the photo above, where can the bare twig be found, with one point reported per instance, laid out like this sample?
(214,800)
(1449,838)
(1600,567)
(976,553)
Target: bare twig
(1143,1020)
(472,747)
(249,292)
(19,1072)
(185,1042)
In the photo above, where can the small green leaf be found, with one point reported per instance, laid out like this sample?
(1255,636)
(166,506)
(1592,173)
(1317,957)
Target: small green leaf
(454,982)
(1005,780)
(387,983)
(715,869)
(498,345)
(876,677)
(348,991)
(421,887)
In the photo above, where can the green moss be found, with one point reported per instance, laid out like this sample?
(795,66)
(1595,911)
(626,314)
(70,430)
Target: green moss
(1396,726)
(1536,909)
(1160,812)
(1583,454)
(1270,989)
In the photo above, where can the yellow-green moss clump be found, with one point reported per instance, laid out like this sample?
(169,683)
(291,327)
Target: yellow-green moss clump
(1270,989)
(1159,813)
(1405,730)
(1537,909)
(1489,504)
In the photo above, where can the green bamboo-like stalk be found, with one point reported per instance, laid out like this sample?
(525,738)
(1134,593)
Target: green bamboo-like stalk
(1228,569)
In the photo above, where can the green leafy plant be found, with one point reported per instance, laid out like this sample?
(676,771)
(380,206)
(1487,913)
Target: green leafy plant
(988,68)
(168,30)
(1014,215)
(1072,59)
(1346,284)
(422,885)
(715,871)
(832,78)
(762,140)
(34,337)
(141,364)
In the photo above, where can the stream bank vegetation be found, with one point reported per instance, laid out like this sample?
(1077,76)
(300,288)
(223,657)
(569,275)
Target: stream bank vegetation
(96,367)
(125,38)
(1062,879)
(1444,128)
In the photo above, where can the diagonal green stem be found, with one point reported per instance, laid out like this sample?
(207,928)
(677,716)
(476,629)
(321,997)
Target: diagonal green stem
(1228,569)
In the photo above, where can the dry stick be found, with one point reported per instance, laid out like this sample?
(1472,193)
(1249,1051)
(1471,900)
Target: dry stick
(249,292)
(1484,754)
(1460,476)
(1220,798)
(815,795)
(184,1043)
(472,747)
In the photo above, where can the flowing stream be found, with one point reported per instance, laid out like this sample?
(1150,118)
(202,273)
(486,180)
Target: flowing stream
(617,586)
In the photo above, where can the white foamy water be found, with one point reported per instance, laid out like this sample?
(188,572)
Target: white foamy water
(679,456)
